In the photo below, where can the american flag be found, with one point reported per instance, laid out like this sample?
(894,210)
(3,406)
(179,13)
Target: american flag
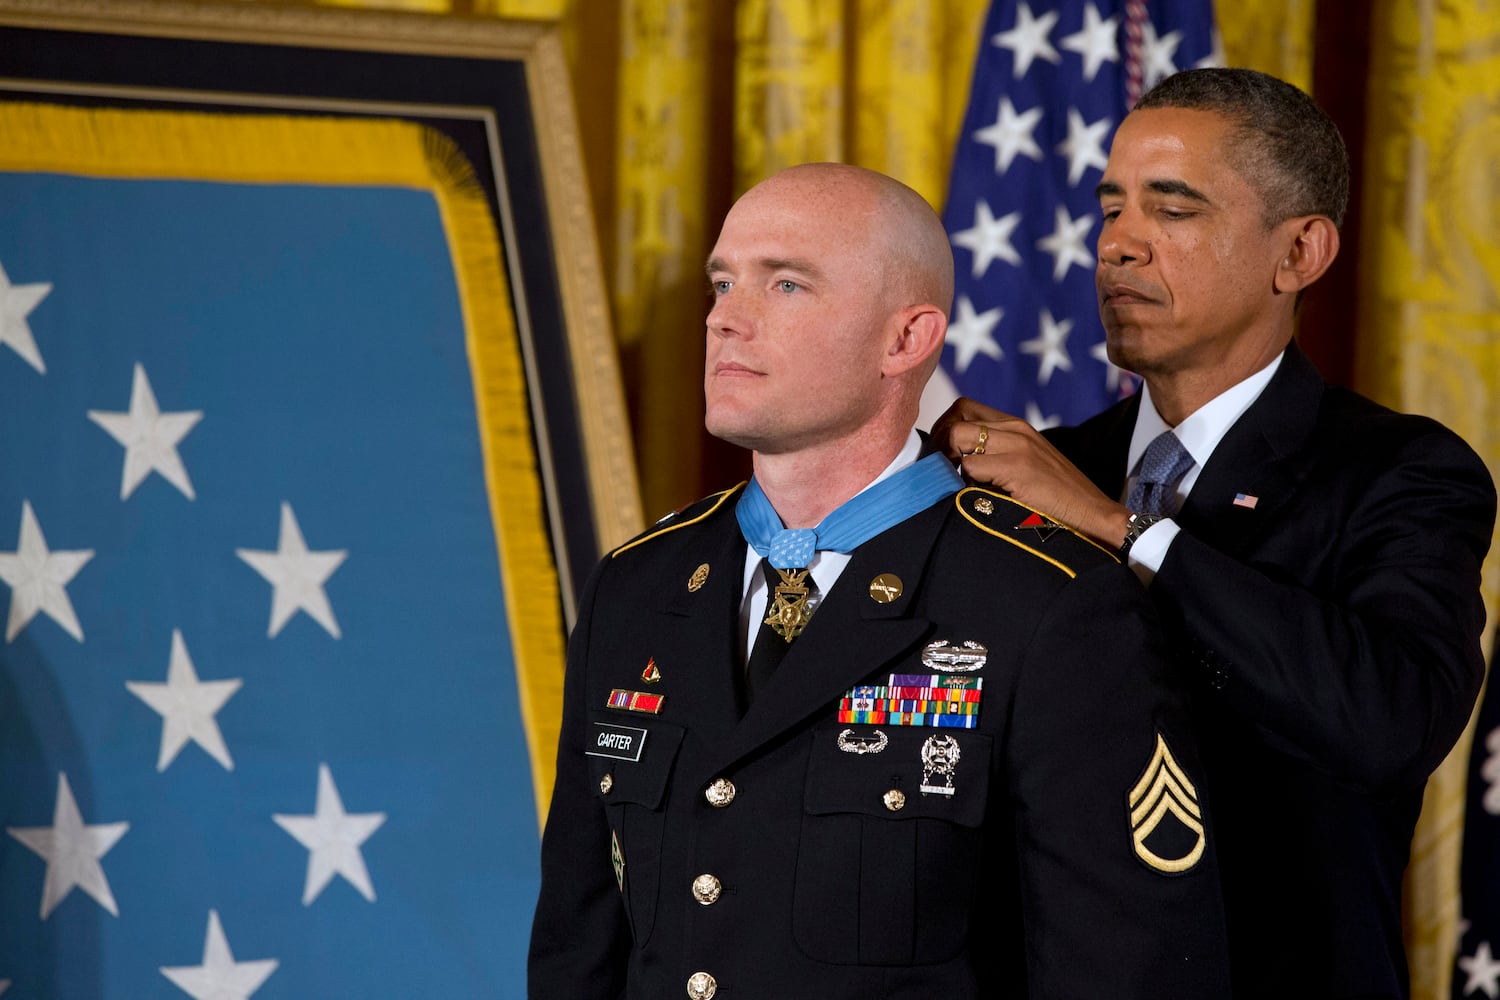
(259,728)
(1051,83)
(1477,972)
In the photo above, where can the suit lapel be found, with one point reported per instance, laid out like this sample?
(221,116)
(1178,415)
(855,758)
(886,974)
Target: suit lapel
(1262,459)
(696,631)
(851,637)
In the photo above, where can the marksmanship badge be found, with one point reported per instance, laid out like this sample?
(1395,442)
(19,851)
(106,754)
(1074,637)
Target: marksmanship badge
(939,760)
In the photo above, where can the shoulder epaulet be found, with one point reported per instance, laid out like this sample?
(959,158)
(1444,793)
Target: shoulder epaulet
(1030,530)
(681,518)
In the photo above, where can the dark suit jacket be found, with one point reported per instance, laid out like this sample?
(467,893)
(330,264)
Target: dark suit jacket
(1024,882)
(1335,631)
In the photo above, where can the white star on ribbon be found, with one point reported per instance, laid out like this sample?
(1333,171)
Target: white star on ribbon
(1097,41)
(296,576)
(1065,243)
(332,837)
(220,977)
(150,438)
(1011,135)
(1052,345)
(1037,419)
(16,303)
(1084,146)
(973,333)
(187,707)
(37,578)
(1028,39)
(72,851)
(1483,972)
(1157,54)
(989,240)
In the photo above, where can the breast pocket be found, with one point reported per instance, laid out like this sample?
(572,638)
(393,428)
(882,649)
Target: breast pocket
(891,841)
(631,765)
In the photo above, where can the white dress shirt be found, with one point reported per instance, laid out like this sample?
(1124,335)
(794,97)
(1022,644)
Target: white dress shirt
(1200,434)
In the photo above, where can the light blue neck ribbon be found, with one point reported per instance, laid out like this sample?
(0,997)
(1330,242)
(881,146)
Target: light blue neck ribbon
(856,521)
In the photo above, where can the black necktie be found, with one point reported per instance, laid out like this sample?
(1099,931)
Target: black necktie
(791,596)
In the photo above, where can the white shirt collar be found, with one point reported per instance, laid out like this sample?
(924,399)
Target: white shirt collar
(1204,428)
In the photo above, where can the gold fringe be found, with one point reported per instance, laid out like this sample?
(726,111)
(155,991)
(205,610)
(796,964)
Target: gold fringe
(272,149)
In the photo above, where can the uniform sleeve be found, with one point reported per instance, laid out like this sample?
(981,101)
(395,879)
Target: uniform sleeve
(579,937)
(1118,874)
(1368,666)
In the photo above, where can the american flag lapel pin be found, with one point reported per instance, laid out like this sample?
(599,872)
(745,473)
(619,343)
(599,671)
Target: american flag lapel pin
(1246,500)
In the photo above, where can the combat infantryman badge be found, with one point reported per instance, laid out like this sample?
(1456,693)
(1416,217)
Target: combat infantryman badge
(788,613)
(939,760)
(943,656)
(1164,790)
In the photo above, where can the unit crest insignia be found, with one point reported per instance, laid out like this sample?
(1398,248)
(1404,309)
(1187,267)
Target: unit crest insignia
(1166,822)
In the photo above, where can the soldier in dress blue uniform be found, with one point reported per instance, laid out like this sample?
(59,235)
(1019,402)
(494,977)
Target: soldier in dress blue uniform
(852,730)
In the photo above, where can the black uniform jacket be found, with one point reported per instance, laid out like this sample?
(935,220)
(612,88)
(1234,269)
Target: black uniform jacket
(1334,626)
(837,876)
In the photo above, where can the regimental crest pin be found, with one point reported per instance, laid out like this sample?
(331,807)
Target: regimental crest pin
(944,657)
(698,579)
(652,673)
(1166,821)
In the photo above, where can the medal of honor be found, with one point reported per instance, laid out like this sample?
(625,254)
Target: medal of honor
(788,613)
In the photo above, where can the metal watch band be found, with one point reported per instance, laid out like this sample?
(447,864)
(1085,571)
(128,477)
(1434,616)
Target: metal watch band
(1135,528)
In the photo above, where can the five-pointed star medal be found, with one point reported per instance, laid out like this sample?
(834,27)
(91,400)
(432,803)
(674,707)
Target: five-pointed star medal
(16,303)
(150,438)
(220,977)
(296,576)
(72,851)
(187,707)
(37,578)
(332,837)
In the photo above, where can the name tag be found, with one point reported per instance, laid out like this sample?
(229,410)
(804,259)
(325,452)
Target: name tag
(619,742)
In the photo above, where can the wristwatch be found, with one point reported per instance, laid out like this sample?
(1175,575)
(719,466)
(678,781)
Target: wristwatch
(1135,528)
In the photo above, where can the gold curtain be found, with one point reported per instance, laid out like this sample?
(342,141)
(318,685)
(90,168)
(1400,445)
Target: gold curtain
(1429,323)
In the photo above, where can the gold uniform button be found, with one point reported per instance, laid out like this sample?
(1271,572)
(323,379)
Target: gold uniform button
(706,889)
(720,793)
(606,783)
(701,986)
(894,799)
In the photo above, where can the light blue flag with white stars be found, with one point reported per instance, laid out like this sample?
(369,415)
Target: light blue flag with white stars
(259,724)
(1051,82)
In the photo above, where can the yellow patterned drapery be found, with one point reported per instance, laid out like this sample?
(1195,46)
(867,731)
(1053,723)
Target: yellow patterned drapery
(709,99)
(1429,322)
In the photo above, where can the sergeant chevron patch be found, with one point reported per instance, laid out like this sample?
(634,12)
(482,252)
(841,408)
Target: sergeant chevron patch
(1166,823)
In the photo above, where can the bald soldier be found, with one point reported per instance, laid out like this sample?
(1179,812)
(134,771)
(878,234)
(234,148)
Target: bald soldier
(851,730)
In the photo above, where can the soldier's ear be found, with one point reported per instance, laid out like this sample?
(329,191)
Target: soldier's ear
(919,333)
(1313,243)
